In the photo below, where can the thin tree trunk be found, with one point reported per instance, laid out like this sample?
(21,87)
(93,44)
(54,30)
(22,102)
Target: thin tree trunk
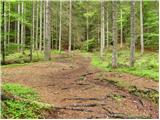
(9,7)
(60,12)
(70,25)
(102,29)
(47,53)
(2,27)
(18,28)
(5,25)
(141,19)
(107,30)
(56,42)
(32,39)
(22,27)
(37,32)
(121,32)
(40,37)
(87,30)
(44,24)
(114,34)
(33,25)
(132,48)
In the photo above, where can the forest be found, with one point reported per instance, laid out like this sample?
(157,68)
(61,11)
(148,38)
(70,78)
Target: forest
(79,59)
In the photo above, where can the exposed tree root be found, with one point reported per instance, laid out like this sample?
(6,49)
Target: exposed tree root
(123,116)
(75,109)
(82,99)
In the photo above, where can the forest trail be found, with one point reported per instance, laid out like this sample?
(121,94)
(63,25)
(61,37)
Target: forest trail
(79,91)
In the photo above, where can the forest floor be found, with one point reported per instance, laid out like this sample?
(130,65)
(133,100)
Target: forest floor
(79,90)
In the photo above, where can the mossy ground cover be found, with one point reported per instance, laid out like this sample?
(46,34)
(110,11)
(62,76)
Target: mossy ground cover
(15,109)
(145,65)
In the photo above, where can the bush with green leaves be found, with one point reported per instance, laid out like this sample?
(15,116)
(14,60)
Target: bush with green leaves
(91,44)
(11,48)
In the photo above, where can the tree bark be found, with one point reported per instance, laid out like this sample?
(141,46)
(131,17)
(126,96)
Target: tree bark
(9,7)
(37,26)
(5,24)
(47,53)
(18,28)
(107,29)
(2,27)
(114,34)
(70,26)
(141,19)
(87,26)
(22,27)
(132,47)
(121,31)
(60,12)
(40,36)
(44,24)
(102,29)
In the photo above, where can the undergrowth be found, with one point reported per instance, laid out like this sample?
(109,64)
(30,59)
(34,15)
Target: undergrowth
(145,65)
(15,109)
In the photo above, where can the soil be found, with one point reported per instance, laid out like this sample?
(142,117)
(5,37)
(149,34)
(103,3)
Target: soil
(77,90)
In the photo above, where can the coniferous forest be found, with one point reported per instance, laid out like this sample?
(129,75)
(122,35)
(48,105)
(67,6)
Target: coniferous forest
(85,59)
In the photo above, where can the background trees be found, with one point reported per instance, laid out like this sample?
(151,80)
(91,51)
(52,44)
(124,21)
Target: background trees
(84,25)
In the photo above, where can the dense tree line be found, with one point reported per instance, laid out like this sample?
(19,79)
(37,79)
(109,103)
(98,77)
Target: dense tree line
(69,25)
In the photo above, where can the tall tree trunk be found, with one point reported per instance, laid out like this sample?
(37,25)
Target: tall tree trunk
(121,31)
(107,29)
(2,27)
(9,7)
(37,27)
(5,24)
(44,24)
(33,25)
(102,29)
(40,37)
(87,29)
(114,34)
(47,52)
(18,28)
(141,19)
(60,12)
(132,48)
(56,42)
(22,27)
(70,25)
(32,39)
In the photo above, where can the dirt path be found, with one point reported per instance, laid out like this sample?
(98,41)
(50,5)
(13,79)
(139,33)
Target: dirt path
(76,90)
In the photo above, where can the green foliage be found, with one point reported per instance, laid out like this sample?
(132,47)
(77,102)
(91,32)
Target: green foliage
(21,91)
(11,48)
(15,109)
(18,109)
(145,66)
(24,57)
(91,43)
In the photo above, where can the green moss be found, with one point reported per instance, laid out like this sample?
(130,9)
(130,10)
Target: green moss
(15,109)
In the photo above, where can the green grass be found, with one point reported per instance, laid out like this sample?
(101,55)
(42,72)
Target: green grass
(20,91)
(145,66)
(15,109)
